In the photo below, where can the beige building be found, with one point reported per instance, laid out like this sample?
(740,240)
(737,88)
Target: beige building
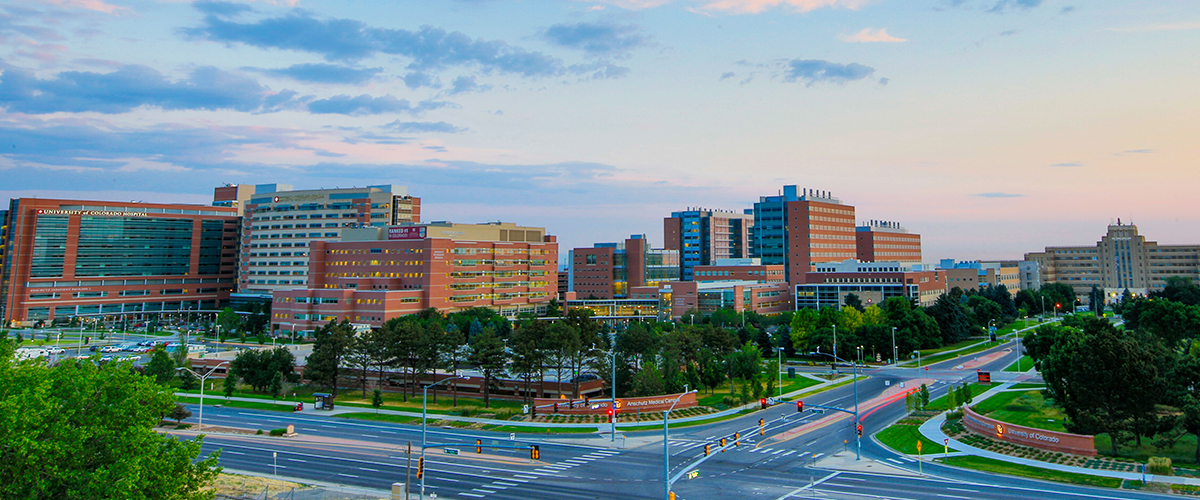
(1121,260)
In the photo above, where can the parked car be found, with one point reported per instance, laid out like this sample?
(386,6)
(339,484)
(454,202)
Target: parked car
(55,350)
(110,348)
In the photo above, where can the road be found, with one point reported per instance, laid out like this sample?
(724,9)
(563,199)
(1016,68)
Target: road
(776,465)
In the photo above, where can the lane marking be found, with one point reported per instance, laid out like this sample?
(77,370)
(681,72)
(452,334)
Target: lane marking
(962,489)
(348,475)
(372,470)
(502,483)
(953,496)
(811,485)
(465,494)
(481,490)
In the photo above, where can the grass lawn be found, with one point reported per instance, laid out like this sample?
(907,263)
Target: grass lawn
(1181,453)
(540,430)
(380,417)
(800,382)
(391,400)
(1026,364)
(1027,408)
(213,401)
(1028,386)
(903,438)
(942,403)
(991,465)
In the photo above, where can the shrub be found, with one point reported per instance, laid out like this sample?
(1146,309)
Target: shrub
(277,432)
(729,401)
(1159,466)
(258,433)
(505,413)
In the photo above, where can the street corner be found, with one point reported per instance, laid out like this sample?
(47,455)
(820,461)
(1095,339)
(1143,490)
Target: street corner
(845,461)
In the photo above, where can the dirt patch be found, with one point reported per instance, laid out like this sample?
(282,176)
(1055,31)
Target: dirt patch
(239,487)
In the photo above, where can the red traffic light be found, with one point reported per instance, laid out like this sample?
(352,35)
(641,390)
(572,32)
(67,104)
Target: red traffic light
(799,406)
(763,402)
(860,430)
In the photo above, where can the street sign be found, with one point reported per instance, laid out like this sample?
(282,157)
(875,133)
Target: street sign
(918,446)
(451,451)
(512,436)
(818,410)
(985,377)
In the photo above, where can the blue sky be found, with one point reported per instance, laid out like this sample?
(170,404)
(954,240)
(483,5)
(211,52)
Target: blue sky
(991,127)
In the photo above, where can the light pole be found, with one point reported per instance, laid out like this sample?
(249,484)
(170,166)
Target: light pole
(424,397)
(666,448)
(857,439)
(612,405)
(779,369)
(835,342)
(895,354)
(202,379)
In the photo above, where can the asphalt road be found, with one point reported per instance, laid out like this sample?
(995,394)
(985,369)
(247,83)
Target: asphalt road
(776,465)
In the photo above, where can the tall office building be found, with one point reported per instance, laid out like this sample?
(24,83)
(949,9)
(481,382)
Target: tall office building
(280,223)
(1122,259)
(702,236)
(610,270)
(67,258)
(887,241)
(799,230)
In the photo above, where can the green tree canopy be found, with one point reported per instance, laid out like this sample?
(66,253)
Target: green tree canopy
(77,430)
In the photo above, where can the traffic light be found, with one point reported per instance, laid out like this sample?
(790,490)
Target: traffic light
(763,402)
(610,414)
(534,452)
(859,430)
(722,445)
(478,446)
(87,340)
(555,407)
(533,411)
(799,406)
(737,436)
(762,427)
(707,449)
(672,495)
(420,467)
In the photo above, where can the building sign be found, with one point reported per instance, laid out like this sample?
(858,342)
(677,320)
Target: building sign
(101,213)
(299,197)
(985,377)
(623,405)
(1038,438)
(406,233)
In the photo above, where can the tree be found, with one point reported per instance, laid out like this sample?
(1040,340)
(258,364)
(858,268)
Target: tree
(160,367)
(78,430)
(1106,380)
(852,301)
(187,381)
(180,355)
(178,413)
(804,323)
(229,321)
(376,399)
(229,385)
(874,315)
(276,387)
(984,310)
(258,367)
(331,344)
(1179,289)
(923,394)
(487,353)
(648,381)
(951,316)
(1096,300)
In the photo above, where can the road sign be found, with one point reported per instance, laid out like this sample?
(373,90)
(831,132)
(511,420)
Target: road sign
(512,436)
(918,446)
(451,451)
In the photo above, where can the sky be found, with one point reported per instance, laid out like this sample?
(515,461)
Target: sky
(990,127)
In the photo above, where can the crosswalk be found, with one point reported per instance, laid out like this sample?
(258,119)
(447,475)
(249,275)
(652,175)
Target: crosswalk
(553,469)
(683,446)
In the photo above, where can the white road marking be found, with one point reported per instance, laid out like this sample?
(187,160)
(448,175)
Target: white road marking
(372,470)
(962,489)
(789,453)
(953,496)
(505,484)
(481,490)
(465,494)
(348,475)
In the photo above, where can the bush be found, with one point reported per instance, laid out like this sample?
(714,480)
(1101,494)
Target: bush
(277,432)
(729,401)
(467,411)
(505,413)
(259,433)
(1159,466)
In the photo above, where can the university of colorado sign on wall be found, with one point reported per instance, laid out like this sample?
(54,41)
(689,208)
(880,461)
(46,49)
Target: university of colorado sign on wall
(1038,438)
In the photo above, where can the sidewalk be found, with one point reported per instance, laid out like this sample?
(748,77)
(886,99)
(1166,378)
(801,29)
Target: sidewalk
(932,429)
(600,427)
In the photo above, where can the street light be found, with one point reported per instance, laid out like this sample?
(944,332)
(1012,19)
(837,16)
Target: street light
(857,439)
(666,448)
(424,396)
(202,379)
(612,405)
(895,355)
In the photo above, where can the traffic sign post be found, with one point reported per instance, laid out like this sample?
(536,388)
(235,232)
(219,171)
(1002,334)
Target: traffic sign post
(920,461)
(947,444)
(450,451)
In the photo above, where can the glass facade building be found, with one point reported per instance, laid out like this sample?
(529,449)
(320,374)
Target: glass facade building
(67,258)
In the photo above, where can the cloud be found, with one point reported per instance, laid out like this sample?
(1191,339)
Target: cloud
(758,6)
(1134,151)
(418,127)
(813,71)
(597,39)
(1158,27)
(727,75)
(348,40)
(464,84)
(129,87)
(367,105)
(1068,164)
(869,36)
(1003,5)
(325,73)
(224,9)
(418,79)
(998,195)
(93,5)
(885,81)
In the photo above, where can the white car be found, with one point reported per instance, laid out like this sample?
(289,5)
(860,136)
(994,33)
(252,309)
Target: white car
(55,350)
(110,348)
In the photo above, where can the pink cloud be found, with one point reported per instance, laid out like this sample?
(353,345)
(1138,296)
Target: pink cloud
(869,36)
(758,6)
(95,5)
